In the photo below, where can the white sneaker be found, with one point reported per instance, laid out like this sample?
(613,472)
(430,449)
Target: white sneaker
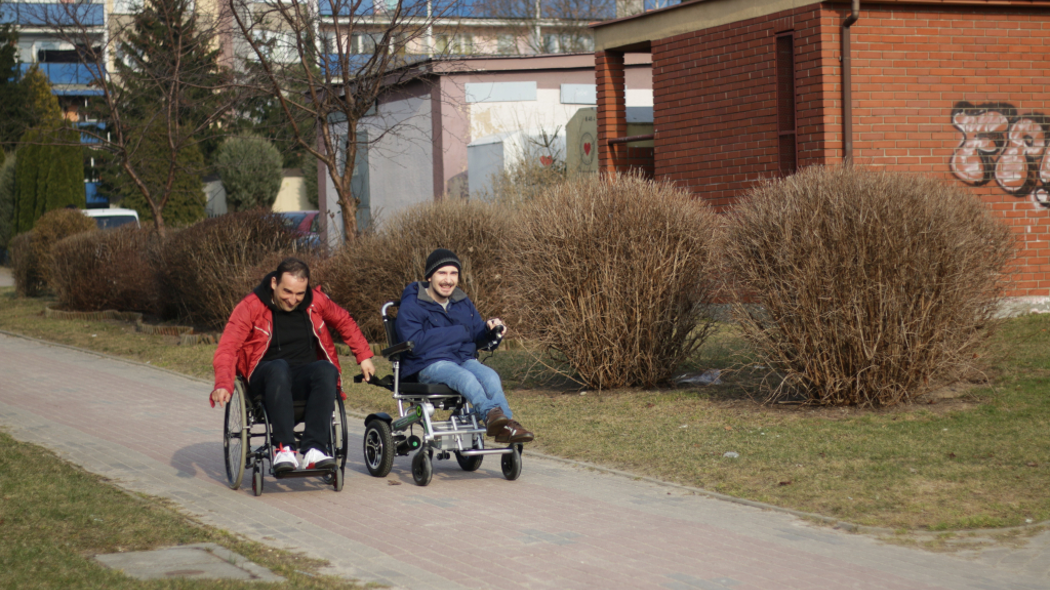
(284,460)
(315,459)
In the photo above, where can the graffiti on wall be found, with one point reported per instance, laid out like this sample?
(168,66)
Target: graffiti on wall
(1001,143)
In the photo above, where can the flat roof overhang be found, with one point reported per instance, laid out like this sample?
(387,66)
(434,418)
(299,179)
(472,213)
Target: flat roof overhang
(636,33)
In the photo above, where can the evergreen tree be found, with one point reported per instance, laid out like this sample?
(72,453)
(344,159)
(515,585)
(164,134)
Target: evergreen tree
(169,69)
(12,101)
(151,162)
(42,109)
(250,168)
(7,201)
(49,174)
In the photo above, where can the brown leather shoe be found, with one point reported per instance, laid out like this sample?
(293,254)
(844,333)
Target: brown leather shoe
(495,420)
(514,433)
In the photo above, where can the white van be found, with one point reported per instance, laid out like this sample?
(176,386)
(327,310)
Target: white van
(112,218)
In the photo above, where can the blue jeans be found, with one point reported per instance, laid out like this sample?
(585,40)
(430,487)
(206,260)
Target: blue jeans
(476,382)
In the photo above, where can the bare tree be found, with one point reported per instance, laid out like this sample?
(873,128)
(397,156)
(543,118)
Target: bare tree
(327,65)
(168,88)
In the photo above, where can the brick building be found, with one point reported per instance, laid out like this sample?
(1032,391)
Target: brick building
(958,89)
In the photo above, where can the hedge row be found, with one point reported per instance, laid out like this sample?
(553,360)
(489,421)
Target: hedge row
(873,287)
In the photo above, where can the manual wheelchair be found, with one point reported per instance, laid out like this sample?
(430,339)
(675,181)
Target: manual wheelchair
(246,420)
(461,434)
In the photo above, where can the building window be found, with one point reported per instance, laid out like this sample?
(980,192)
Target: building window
(506,44)
(461,44)
(786,109)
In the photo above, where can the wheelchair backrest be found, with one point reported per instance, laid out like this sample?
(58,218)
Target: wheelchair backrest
(389,316)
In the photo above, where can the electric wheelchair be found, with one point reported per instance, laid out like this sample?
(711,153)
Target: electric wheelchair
(460,434)
(247,422)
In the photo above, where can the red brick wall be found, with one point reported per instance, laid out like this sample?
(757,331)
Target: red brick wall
(612,105)
(715,104)
(923,78)
(914,70)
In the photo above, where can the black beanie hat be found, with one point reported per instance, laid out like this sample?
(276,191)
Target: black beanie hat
(438,258)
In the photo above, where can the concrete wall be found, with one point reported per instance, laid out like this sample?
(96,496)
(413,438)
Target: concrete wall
(292,196)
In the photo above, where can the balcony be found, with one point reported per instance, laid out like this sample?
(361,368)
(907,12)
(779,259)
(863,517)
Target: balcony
(52,14)
(468,9)
(66,73)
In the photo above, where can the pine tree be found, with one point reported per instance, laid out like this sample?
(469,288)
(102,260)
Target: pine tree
(12,100)
(42,109)
(185,204)
(169,68)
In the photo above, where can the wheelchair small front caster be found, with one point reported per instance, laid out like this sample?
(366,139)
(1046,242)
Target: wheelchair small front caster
(511,463)
(257,481)
(337,479)
(422,467)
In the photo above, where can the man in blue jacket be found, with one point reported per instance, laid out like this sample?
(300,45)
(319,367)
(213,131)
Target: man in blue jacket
(447,330)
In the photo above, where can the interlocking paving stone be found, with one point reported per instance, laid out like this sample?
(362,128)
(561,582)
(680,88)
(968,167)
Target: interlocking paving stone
(559,526)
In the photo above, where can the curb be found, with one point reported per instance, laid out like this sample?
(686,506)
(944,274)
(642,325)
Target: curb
(834,522)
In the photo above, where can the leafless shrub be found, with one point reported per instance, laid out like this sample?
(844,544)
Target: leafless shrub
(207,268)
(31,251)
(614,275)
(52,227)
(872,284)
(104,270)
(28,282)
(376,268)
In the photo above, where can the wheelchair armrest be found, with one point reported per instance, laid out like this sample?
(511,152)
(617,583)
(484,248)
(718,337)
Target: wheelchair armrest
(398,349)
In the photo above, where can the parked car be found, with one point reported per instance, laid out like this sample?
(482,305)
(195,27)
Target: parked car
(306,225)
(113,218)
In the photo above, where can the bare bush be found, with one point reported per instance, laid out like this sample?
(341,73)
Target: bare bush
(52,227)
(24,267)
(873,285)
(207,268)
(107,270)
(614,276)
(376,268)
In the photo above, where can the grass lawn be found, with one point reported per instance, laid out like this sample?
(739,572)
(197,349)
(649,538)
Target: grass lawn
(53,525)
(973,456)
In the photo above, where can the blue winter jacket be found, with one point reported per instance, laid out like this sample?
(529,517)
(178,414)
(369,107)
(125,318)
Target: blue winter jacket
(438,335)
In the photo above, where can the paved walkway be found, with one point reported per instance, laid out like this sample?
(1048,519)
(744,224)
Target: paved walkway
(6,278)
(559,526)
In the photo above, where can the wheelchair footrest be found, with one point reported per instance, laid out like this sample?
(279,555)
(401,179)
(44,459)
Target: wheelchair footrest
(475,452)
(305,473)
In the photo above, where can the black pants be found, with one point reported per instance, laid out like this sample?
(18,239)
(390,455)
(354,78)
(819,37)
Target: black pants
(279,385)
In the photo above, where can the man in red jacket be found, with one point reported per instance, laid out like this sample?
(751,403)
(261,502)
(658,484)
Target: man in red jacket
(277,338)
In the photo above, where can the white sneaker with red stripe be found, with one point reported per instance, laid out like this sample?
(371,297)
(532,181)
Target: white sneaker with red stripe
(284,460)
(315,459)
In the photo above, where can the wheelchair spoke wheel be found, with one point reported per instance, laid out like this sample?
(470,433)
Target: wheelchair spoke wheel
(378,448)
(257,481)
(469,463)
(235,437)
(422,467)
(339,435)
(511,464)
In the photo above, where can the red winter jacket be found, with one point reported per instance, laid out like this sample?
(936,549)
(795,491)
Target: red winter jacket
(247,336)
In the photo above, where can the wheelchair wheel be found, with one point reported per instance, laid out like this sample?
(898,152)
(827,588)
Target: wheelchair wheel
(511,464)
(257,481)
(469,463)
(339,438)
(235,437)
(422,467)
(378,448)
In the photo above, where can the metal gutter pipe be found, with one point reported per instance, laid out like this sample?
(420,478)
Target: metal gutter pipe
(847,84)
